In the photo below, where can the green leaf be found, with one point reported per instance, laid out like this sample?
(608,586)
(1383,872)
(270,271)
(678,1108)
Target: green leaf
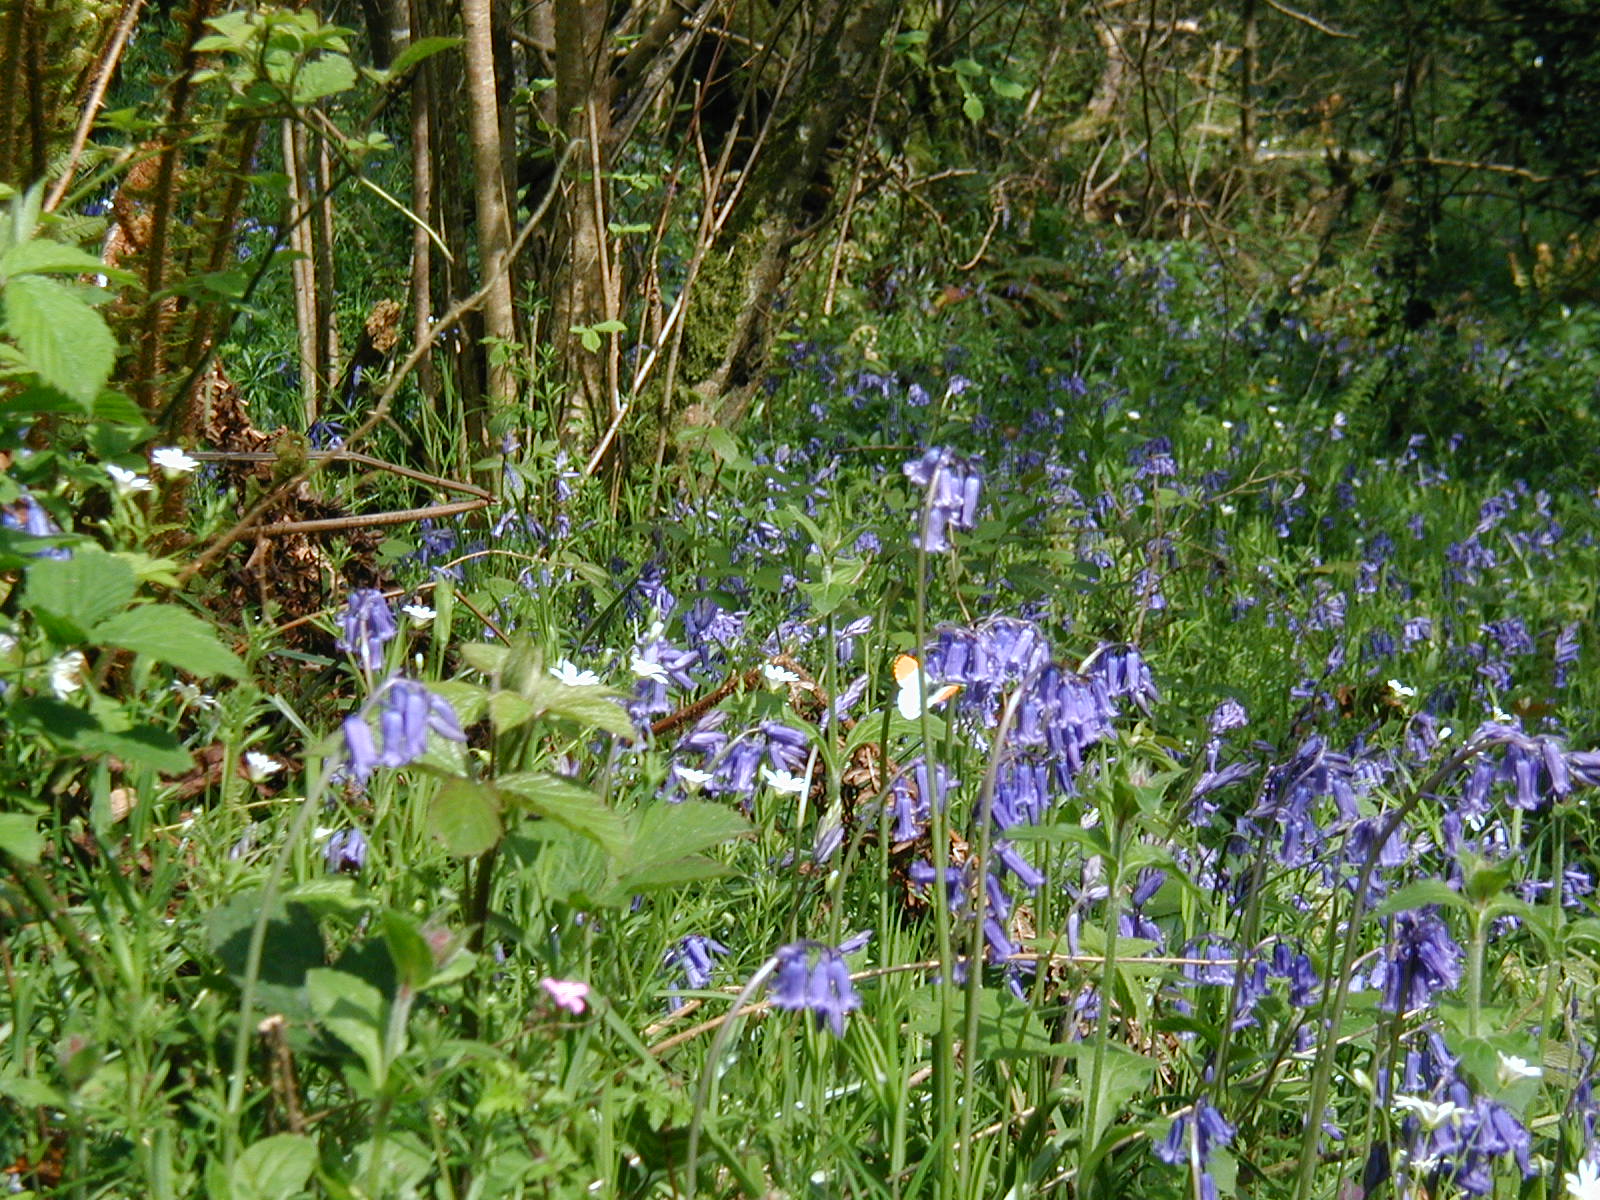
(973,108)
(967,67)
(41,256)
(173,635)
(145,745)
(1006,89)
(660,875)
(292,949)
(570,804)
(275,1168)
(465,816)
(65,340)
(323,76)
(20,837)
(1420,895)
(413,957)
(418,50)
(83,589)
(669,831)
(488,657)
(510,709)
(352,1010)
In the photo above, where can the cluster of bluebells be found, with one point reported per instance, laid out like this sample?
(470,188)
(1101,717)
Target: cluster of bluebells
(366,626)
(407,713)
(691,958)
(1452,1135)
(812,977)
(952,486)
(1195,1134)
(731,765)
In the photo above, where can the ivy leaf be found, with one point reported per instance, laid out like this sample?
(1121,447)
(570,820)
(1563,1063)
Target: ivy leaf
(169,634)
(64,339)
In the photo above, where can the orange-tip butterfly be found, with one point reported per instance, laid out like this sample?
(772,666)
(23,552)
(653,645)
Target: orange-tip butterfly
(908,674)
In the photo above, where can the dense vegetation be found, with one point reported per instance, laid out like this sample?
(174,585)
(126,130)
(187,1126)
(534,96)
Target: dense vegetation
(842,599)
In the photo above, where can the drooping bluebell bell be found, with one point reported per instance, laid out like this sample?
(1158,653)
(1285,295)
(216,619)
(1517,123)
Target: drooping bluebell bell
(1421,961)
(368,624)
(1194,1134)
(953,486)
(1566,652)
(346,852)
(691,956)
(812,977)
(408,712)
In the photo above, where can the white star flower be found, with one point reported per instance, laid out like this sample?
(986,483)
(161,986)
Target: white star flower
(420,613)
(649,670)
(127,482)
(692,778)
(573,675)
(260,767)
(1430,1114)
(1513,1068)
(783,782)
(1585,1185)
(173,461)
(777,676)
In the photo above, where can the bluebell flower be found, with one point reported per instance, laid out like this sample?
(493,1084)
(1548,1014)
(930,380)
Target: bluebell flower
(368,624)
(1422,961)
(346,852)
(953,487)
(813,977)
(409,711)
(692,956)
(1195,1133)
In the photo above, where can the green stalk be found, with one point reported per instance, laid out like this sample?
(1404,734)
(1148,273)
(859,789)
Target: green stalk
(1102,1025)
(939,836)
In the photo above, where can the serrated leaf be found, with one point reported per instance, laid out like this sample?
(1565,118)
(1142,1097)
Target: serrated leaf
(468,700)
(293,948)
(657,876)
(465,815)
(418,50)
(275,1168)
(353,1011)
(670,831)
(41,256)
(1419,895)
(144,745)
(413,957)
(173,635)
(485,656)
(20,837)
(83,589)
(324,76)
(508,710)
(567,803)
(66,342)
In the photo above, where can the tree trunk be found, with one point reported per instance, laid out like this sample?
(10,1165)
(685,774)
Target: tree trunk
(494,221)
(585,295)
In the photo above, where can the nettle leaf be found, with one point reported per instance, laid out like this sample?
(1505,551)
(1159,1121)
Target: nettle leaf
(66,342)
(670,831)
(82,590)
(418,50)
(275,1168)
(170,634)
(20,837)
(324,76)
(570,804)
(41,256)
(465,816)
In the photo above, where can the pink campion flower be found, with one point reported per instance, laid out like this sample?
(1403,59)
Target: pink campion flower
(570,994)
